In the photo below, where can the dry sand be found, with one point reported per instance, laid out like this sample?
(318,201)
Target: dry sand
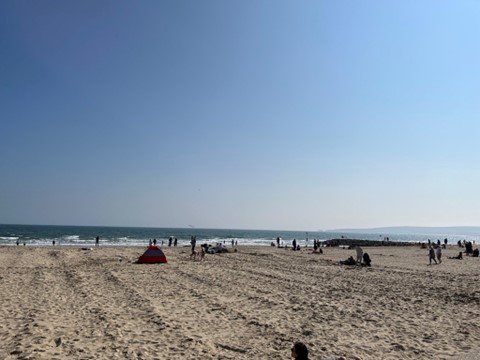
(65,303)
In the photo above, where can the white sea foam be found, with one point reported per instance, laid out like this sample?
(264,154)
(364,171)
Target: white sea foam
(85,236)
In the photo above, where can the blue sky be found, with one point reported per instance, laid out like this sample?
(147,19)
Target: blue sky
(299,115)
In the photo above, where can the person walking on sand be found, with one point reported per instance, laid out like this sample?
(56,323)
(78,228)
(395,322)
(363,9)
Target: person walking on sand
(431,255)
(438,252)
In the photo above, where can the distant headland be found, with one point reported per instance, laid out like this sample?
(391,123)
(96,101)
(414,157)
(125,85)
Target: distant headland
(446,230)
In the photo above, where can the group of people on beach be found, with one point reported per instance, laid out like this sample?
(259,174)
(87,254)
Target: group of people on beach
(219,247)
(296,245)
(435,251)
(363,259)
(469,251)
(171,240)
(194,254)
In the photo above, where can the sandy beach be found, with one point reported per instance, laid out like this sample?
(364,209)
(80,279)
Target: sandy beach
(67,303)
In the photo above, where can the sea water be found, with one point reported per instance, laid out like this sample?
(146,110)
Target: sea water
(140,236)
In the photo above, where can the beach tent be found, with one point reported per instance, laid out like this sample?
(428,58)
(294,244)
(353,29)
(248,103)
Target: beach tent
(153,254)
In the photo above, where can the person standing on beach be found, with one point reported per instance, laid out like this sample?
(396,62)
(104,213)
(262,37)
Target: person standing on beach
(359,255)
(294,244)
(193,242)
(431,255)
(97,241)
(175,242)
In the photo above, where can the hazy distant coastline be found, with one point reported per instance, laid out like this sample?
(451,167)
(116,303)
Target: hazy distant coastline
(447,230)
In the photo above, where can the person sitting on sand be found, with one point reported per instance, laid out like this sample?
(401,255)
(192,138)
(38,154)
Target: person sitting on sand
(475,252)
(299,351)
(366,260)
(349,261)
(211,249)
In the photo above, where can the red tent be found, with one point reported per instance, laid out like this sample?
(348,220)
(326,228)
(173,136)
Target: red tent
(153,254)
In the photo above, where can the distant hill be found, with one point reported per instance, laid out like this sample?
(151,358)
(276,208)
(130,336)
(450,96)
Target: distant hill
(447,230)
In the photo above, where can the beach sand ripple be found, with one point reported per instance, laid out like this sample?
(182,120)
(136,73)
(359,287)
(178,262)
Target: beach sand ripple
(65,303)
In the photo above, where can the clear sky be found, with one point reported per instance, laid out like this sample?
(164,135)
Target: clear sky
(300,115)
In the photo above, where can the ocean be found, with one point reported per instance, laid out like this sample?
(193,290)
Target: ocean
(42,235)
